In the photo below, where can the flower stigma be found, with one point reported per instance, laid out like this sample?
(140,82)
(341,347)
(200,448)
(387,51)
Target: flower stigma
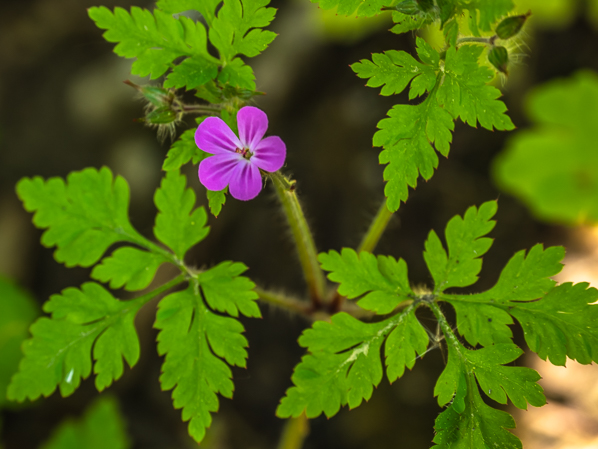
(244,152)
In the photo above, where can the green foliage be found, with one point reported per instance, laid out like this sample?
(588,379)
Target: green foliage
(230,33)
(216,199)
(207,8)
(552,167)
(178,225)
(407,137)
(183,151)
(156,40)
(383,278)
(477,426)
(343,364)
(58,354)
(90,322)
(101,427)
(360,8)
(84,216)
(465,244)
(129,267)
(458,89)
(17,312)
(195,340)
(465,94)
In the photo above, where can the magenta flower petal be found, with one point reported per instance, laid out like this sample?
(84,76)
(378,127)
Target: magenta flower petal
(214,136)
(215,171)
(270,154)
(252,123)
(245,181)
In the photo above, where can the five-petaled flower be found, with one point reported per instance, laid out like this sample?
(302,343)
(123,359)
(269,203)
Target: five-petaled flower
(236,161)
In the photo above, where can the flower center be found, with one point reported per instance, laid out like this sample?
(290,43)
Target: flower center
(244,152)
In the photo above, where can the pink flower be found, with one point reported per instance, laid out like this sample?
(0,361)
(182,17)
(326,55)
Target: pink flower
(236,162)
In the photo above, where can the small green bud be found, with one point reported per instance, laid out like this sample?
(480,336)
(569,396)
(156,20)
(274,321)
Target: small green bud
(499,58)
(161,116)
(157,96)
(510,26)
(408,7)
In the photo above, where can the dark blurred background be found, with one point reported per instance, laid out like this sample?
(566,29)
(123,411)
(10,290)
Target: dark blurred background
(63,107)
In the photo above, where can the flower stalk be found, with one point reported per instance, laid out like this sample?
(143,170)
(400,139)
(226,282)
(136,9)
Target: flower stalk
(294,433)
(304,242)
(376,229)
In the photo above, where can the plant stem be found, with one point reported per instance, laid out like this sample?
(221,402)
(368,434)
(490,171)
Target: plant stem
(150,295)
(282,301)
(372,236)
(449,335)
(304,241)
(294,433)
(475,40)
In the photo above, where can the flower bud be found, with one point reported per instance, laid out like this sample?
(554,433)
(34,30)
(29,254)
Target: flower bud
(161,116)
(157,96)
(510,26)
(499,58)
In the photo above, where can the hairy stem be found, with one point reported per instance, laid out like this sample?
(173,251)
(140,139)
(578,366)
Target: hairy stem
(284,302)
(376,229)
(449,335)
(476,40)
(294,433)
(304,241)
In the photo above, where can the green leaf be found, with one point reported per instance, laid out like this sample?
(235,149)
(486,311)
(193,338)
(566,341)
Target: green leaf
(466,245)
(484,317)
(156,40)
(226,291)
(183,151)
(394,70)
(191,73)
(236,30)
(407,339)
(358,8)
(481,323)
(207,8)
(17,311)
(195,341)
(383,279)
(562,324)
(496,380)
(237,74)
(550,167)
(84,216)
(465,94)
(492,10)
(343,368)
(59,352)
(405,23)
(478,426)
(216,199)
(178,226)
(452,383)
(129,267)
(101,427)
(407,137)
